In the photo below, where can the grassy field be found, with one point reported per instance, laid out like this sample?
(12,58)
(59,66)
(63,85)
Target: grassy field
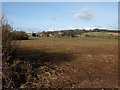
(102,34)
(72,62)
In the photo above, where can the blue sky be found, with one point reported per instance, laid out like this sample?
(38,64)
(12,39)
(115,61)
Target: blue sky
(33,16)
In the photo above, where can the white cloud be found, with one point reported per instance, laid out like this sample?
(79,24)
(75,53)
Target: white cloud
(84,14)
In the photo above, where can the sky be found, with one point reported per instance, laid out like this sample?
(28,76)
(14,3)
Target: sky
(50,16)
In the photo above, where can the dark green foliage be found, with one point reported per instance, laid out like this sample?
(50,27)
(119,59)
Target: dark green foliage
(96,30)
(34,34)
(20,35)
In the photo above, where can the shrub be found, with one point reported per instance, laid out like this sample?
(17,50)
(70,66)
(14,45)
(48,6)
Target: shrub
(8,45)
(8,53)
(20,35)
(34,34)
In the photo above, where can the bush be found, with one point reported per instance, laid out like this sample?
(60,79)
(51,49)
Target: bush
(34,34)
(8,52)
(8,45)
(20,35)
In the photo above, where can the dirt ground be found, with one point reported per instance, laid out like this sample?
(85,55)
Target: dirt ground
(70,62)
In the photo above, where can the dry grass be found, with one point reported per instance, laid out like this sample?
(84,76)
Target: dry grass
(78,62)
(114,34)
(108,35)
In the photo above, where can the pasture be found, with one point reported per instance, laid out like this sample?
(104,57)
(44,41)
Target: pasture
(72,62)
(109,35)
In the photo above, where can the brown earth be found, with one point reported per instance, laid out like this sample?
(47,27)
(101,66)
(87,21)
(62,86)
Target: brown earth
(70,62)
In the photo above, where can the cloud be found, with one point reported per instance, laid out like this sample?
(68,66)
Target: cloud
(83,14)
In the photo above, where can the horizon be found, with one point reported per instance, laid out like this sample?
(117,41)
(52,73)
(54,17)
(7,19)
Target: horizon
(87,29)
(53,16)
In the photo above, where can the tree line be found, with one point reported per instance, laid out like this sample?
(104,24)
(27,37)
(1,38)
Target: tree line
(69,33)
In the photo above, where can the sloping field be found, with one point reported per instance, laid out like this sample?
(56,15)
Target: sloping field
(102,34)
(71,62)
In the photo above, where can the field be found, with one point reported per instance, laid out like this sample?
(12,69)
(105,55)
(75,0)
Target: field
(71,62)
(108,35)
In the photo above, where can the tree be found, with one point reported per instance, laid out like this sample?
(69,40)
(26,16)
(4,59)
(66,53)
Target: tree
(96,30)
(34,34)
